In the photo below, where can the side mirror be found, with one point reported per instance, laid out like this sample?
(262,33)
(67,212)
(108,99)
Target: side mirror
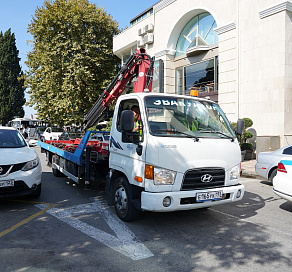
(127,121)
(239,127)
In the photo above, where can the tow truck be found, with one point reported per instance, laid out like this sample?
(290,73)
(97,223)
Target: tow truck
(184,156)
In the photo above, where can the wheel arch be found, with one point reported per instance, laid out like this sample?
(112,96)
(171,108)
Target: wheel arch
(115,174)
(135,190)
(271,171)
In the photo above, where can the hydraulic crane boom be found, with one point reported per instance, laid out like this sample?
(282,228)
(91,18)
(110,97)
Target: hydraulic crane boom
(138,65)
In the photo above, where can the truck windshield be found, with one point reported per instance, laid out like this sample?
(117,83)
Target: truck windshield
(186,117)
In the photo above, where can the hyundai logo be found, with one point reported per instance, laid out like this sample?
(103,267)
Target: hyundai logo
(1,170)
(206,178)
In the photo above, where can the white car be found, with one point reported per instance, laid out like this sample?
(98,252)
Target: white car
(282,181)
(20,168)
(267,162)
(52,133)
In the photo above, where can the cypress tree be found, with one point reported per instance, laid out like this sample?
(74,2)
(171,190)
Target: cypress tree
(11,79)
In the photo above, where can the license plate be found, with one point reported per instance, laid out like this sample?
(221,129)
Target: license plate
(7,183)
(206,196)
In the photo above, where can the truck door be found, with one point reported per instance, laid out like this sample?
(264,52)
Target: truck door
(123,152)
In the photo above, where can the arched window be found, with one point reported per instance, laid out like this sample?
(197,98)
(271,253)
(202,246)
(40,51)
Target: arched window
(199,32)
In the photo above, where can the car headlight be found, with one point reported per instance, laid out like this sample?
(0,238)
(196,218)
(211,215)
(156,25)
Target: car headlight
(30,165)
(235,173)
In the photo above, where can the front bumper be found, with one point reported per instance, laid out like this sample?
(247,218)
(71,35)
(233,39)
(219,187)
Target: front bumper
(186,200)
(24,182)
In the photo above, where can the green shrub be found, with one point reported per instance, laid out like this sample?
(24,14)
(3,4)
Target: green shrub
(246,146)
(246,134)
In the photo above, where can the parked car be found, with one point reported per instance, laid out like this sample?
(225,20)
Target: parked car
(102,137)
(282,181)
(52,133)
(39,132)
(267,162)
(20,168)
(64,136)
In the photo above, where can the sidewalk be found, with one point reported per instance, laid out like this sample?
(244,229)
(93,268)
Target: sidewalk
(248,169)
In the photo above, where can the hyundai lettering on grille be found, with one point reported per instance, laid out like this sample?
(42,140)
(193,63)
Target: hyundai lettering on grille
(206,178)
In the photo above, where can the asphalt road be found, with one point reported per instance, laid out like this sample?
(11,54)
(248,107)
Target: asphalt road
(71,229)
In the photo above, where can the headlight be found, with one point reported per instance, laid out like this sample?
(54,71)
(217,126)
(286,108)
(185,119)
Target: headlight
(235,173)
(30,165)
(163,176)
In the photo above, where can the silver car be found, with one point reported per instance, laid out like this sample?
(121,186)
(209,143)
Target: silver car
(20,168)
(267,162)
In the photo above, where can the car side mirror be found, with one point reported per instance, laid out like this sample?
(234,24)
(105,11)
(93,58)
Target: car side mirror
(127,121)
(239,127)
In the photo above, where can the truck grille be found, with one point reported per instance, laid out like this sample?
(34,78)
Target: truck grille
(203,178)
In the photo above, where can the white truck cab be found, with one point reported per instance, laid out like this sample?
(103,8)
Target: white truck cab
(185,157)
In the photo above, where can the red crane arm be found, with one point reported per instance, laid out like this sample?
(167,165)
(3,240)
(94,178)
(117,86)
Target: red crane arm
(139,65)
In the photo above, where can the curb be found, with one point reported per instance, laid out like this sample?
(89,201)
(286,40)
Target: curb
(248,174)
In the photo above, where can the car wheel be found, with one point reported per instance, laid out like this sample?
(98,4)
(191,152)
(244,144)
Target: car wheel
(273,174)
(123,200)
(37,192)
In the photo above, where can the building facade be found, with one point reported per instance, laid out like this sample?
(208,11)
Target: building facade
(237,52)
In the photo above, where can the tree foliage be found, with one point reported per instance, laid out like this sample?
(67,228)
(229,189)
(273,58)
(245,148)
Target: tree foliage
(11,79)
(71,62)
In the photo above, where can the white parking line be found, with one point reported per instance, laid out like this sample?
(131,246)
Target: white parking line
(125,241)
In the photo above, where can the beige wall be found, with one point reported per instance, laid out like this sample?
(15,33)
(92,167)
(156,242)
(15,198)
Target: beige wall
(255,56)
(261,67)
(288,81)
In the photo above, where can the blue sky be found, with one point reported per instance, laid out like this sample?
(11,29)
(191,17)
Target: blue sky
(17,14)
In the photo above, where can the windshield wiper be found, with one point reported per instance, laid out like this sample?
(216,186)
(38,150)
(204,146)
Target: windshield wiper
(178,132)
(219,132)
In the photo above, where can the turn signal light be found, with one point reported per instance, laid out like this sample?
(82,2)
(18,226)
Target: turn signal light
(149,171)
(138,179)
(281,168)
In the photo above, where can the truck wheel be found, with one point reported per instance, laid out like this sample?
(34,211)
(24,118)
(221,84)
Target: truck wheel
(123,200)
(56,172)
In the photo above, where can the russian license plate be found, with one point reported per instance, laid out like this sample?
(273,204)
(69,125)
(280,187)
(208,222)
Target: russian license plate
(7,183)
(206,196)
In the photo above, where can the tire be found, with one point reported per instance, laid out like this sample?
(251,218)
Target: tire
(37,192)
(273,174)
(56,172)
(123,200)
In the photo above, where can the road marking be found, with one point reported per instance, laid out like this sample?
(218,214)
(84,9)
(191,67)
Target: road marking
(28,201)
(49,206)
(125,241)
